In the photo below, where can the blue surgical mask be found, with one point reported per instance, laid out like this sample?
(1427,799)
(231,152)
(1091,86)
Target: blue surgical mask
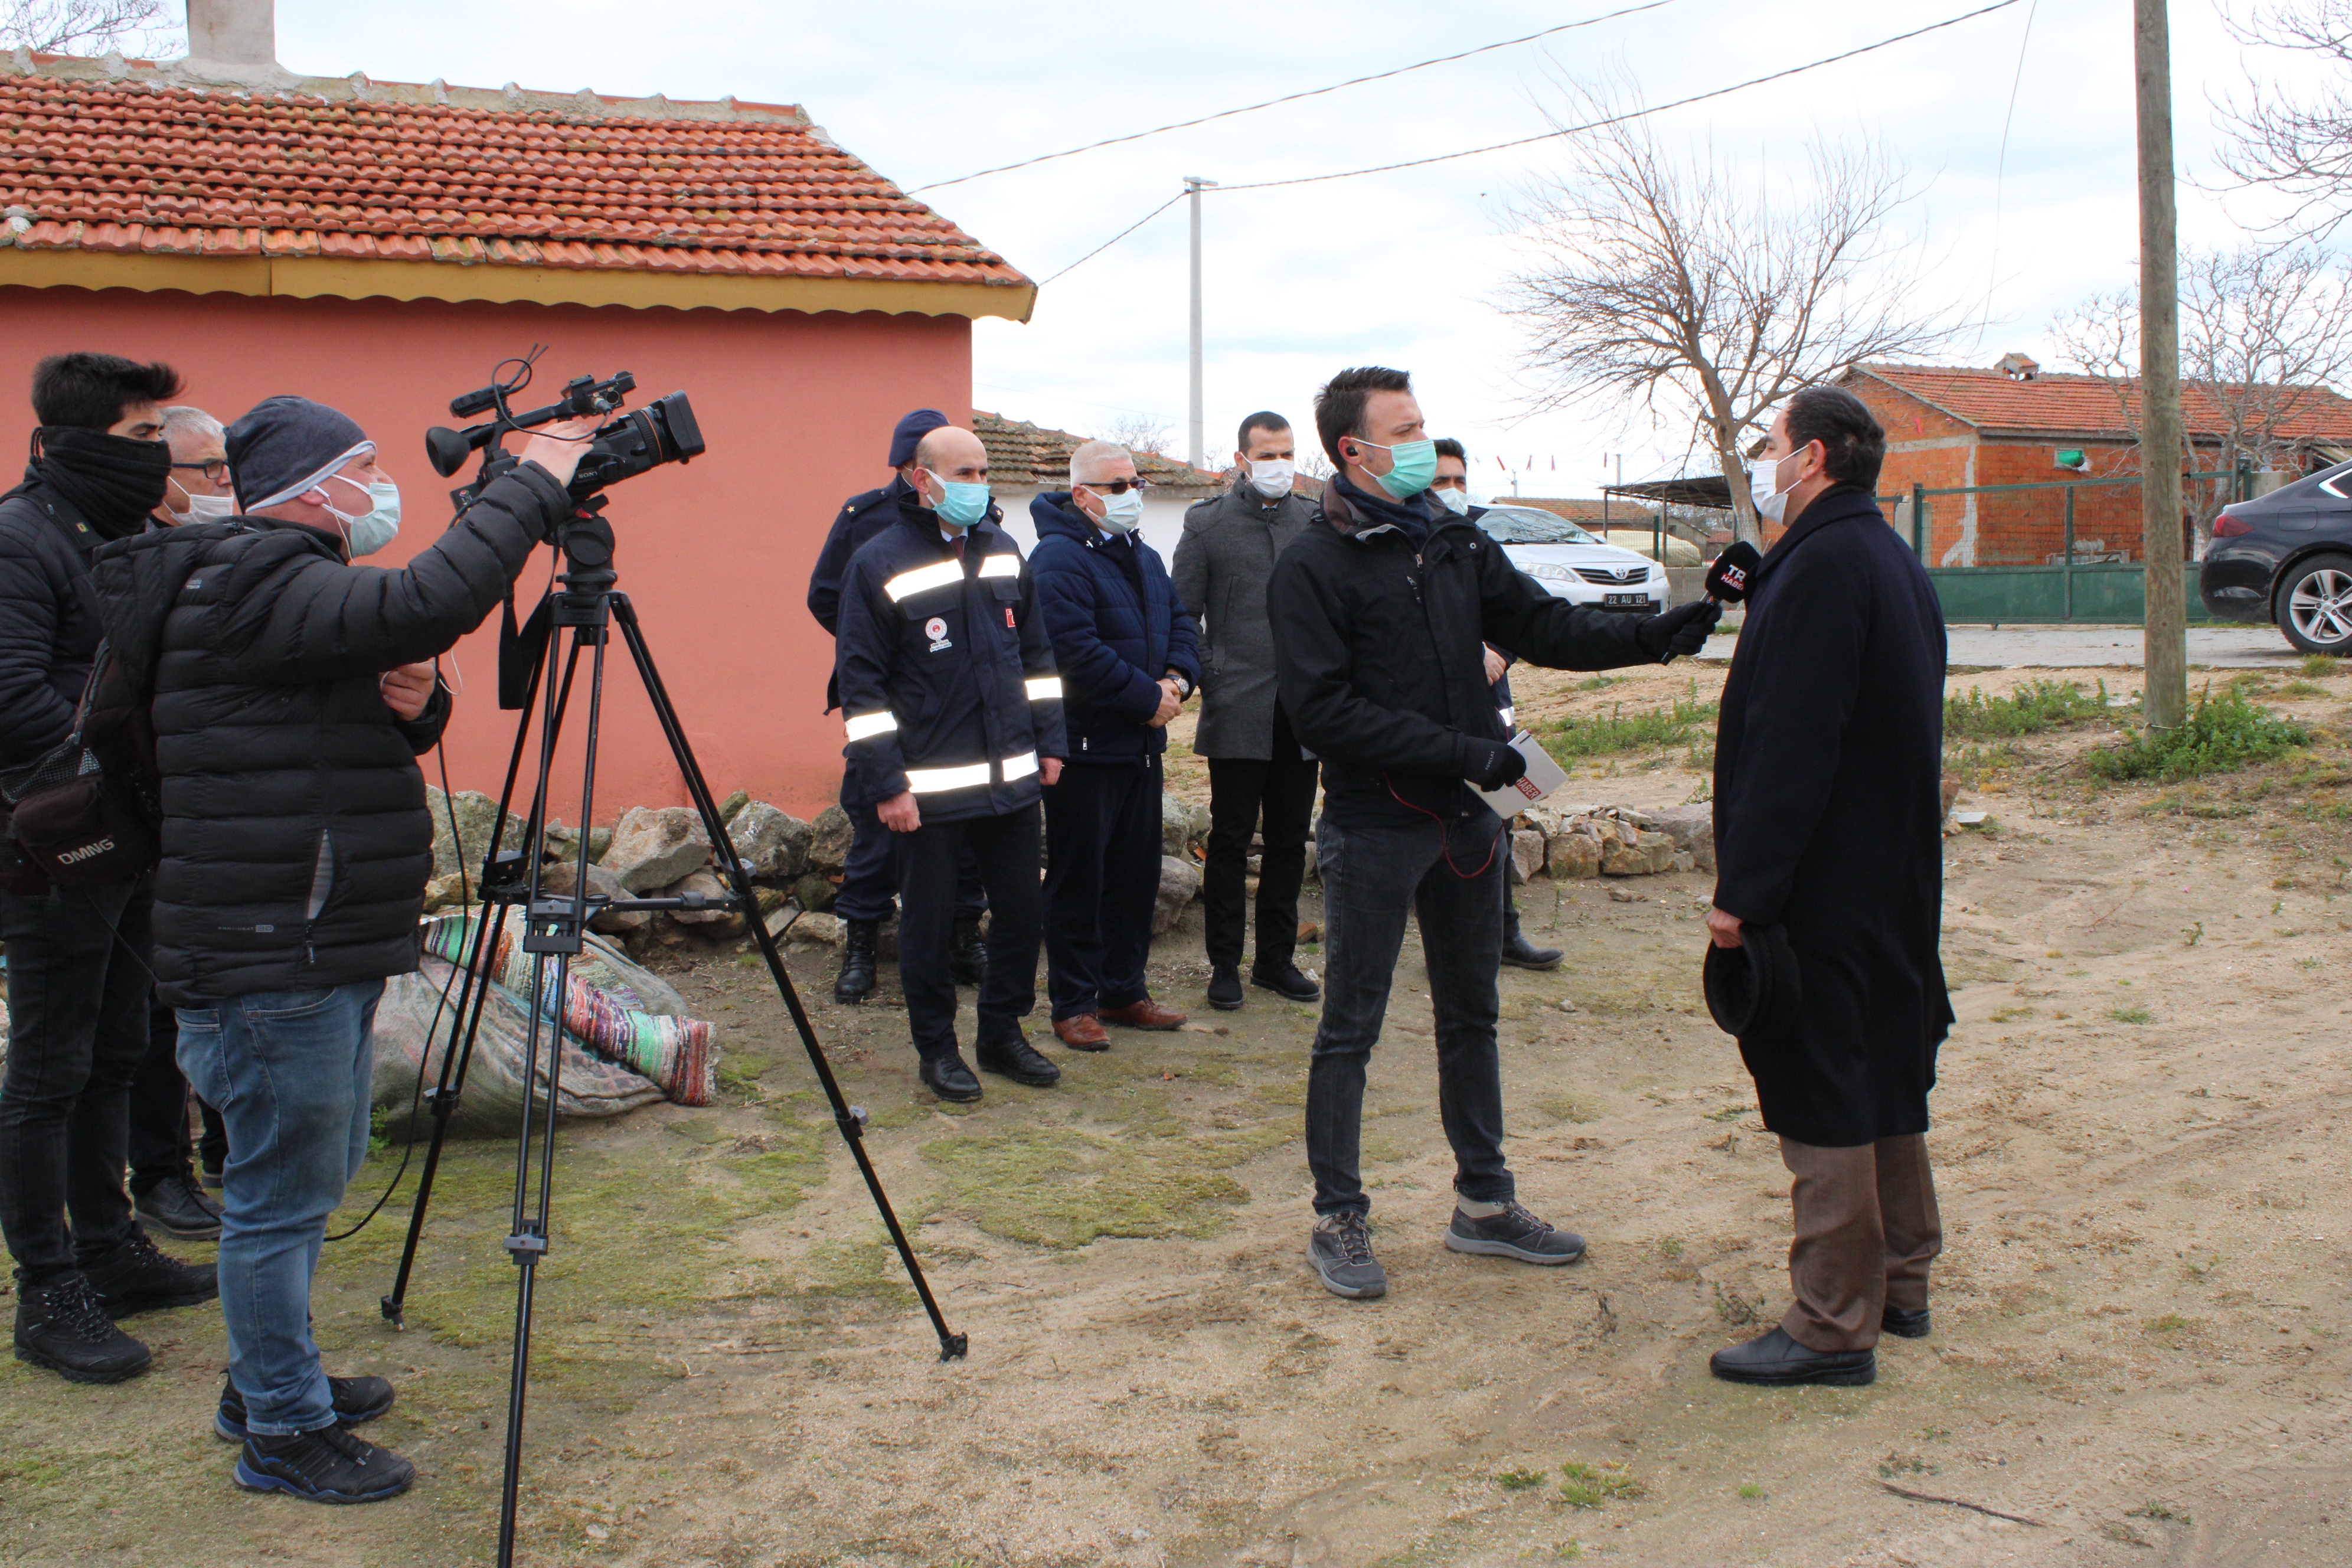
(960,505)
(378,526)
(1122,513)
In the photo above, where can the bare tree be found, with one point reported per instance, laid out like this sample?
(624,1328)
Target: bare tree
(2264,335)
(1137,432)
(78,27)
(2299,147)
(1657,283)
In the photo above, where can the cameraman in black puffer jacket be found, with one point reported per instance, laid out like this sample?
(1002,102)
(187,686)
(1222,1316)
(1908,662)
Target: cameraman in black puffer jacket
(293,694)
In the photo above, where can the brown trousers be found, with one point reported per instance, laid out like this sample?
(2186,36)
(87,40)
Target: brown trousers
(1867,1231)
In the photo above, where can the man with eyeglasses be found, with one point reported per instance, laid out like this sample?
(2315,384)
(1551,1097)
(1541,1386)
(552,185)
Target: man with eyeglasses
(1128,655)
(1259,780)
(198,490)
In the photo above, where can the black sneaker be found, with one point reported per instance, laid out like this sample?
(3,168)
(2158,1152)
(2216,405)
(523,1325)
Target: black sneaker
(1010,1055)
(1287,981)
(1341,1250)
(1225,988)
(358,1401)
(178,1207)
(63,1329)
(137,1278)
(326,1466)
(1514,1232)
(948,1077)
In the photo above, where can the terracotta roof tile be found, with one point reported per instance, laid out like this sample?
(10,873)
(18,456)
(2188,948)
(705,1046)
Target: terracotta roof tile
(112,166)
(1020,453)
(2087,405)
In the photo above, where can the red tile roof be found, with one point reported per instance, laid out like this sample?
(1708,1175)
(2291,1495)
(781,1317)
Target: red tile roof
(2085,406)
(1020,453)
(382,171)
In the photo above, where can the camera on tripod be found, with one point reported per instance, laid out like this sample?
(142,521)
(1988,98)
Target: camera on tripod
(664,431)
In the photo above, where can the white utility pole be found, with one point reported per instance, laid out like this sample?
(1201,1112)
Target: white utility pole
(1193,185)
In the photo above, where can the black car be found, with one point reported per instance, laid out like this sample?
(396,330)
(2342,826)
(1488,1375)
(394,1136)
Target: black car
(2287,558)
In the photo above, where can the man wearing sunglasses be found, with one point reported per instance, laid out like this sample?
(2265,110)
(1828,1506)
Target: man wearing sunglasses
(1128,655)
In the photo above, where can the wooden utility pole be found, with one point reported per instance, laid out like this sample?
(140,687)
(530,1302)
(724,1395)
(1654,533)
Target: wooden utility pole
(2165,648)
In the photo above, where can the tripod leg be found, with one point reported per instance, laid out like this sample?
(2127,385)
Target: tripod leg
(850,1119)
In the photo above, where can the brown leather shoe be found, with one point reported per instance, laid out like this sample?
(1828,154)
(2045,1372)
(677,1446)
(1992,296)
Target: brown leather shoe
(1144,1014)
(1081,1032)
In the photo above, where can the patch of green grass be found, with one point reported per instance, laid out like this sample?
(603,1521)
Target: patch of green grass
(2012,1015)
(1974,765)
(1061,1187)
(2153,1508)
(2170,1323)
(1519,1480)
(1589,1486)
(2131,1014)
(1729,1113)
(2036,706)
(1751,1491)
(2221,734)
(2303,689)
(1686,722)
(1598,683)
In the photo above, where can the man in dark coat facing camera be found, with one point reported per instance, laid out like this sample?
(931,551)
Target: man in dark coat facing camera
(1828,838)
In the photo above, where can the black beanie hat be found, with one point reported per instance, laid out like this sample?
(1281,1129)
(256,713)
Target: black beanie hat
(910,431)
(282,445)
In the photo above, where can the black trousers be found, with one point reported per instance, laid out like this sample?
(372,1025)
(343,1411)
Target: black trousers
(930,859)
(870,878)
(159,1142)
(1102,883)
(1240,789)
(77,995)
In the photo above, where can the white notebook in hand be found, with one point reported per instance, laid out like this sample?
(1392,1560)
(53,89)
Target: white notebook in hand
(1543,776)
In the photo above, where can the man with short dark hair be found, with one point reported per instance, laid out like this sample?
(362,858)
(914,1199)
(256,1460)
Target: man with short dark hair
(1828,852)
(78,957)
(1128,657)
(1382,614)
(1257,774)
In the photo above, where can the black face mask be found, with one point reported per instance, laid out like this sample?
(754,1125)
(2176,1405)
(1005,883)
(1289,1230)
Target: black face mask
(113,481)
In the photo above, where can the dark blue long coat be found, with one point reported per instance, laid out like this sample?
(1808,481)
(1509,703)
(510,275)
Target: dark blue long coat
(1113,633)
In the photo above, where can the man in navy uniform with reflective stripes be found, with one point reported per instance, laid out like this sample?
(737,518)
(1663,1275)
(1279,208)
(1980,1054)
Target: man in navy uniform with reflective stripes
(953,714)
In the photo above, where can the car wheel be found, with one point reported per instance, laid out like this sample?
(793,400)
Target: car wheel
(2315,606)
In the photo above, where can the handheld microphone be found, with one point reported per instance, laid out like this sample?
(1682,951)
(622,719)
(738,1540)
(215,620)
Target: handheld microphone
(1728,579)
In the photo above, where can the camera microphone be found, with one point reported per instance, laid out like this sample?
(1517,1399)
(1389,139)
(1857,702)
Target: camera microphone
(1728,579)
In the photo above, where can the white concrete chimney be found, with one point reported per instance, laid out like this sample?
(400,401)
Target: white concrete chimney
(233,32)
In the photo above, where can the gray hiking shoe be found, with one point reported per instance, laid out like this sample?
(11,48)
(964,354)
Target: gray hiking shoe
(1514,1232)
(1341,1250)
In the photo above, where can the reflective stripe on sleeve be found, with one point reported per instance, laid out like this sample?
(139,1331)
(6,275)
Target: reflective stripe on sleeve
(862,725)
(939,575)
(1003,564)
(1510,716)
(928,781)
(1020,768)
(1044,687)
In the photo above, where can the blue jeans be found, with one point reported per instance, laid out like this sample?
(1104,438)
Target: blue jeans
(1449,876)
(290,1072)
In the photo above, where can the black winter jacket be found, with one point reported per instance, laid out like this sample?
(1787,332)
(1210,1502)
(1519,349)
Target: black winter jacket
(49,628)
(947,681)
(1116,627)
(862,517)
(296,842)
(1380,649)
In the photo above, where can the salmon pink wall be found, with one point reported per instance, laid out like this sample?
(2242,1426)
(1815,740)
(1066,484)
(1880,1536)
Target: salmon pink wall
(716,554)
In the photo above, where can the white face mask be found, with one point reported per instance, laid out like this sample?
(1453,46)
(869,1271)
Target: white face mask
(1121,513)
(1271,477)
(206,509)
(1772,502)
(1456,501)
(372,530)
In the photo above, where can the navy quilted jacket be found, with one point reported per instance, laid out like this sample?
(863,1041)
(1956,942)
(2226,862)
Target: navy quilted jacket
(1116,630)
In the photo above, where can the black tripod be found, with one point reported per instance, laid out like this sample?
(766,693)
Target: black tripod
(587,602)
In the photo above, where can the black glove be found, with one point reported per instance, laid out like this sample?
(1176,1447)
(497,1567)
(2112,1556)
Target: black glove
(1489,764)
(1682,631)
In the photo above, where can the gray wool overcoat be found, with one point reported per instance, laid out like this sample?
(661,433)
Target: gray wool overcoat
(1222,567)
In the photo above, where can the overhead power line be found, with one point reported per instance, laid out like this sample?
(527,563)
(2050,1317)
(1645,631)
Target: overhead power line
(1122,234)
(1288,98)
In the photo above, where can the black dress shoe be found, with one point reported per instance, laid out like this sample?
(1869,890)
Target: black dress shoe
(1903,1322)
(1521,953)
(178,1207)
(948,1077)
(1287,981)
(1225,988)
(1010,1055)
(1776,1359)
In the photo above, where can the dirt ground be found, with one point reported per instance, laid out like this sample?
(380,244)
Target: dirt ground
(2142,1333)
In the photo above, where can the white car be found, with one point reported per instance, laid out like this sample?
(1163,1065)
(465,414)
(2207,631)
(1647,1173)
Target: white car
(1573,564)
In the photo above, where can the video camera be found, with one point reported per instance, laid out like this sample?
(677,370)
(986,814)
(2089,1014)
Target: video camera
(664,431)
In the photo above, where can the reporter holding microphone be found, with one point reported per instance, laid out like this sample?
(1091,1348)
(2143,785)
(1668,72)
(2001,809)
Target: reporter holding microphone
(1828,890)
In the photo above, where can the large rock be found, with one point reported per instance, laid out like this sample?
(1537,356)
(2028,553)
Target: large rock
(1527,853)
(815,891)
(1692,828)
(654,846)
(1647,855)
(1175,826)
(829,837)
(475,813)
(1571,854)
(557,883)
(773,845)
(1179,883)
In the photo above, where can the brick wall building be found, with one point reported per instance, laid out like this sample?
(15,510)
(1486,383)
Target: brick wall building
(1951,428)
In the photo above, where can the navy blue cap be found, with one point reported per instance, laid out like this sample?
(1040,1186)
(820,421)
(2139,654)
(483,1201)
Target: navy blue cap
(910,430)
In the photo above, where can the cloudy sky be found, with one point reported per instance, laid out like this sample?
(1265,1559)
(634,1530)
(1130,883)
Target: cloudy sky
(1404,268)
